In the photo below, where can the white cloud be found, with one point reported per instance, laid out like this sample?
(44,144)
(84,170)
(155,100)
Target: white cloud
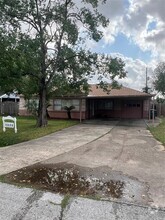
(134,20)
(112,8)
(110,32)
(135,24)
(136,72)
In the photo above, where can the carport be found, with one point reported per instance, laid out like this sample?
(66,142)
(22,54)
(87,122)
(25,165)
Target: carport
(118,103)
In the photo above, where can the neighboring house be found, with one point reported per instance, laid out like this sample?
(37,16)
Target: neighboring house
(9,104)
(23,106)
(119,103)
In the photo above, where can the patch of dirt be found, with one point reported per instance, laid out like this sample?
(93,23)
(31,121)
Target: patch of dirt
(67,178)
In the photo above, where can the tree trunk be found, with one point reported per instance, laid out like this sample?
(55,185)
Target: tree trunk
(42,116)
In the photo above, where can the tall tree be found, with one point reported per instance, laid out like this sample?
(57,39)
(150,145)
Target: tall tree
(8,73)
(159,82)
(49,45)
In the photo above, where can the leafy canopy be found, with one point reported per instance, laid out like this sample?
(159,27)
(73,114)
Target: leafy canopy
(44,48)
(159,82)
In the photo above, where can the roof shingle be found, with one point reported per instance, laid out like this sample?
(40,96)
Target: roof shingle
(122,92)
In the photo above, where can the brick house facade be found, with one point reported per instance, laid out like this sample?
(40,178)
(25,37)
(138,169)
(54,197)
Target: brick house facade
(119,103)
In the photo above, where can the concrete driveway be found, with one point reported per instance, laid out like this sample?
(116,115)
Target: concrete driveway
(124,150)
(27,153)
(129,149)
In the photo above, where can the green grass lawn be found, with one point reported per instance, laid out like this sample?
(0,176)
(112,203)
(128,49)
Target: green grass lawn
(159,131)
(28,131)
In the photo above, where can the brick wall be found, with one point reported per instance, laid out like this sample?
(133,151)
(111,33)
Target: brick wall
(63,114)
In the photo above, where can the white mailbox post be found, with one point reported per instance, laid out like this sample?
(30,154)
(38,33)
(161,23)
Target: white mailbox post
(9,122)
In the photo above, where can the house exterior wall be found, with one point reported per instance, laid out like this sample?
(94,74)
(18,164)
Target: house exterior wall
(62,114)
(146,108)
(22,109)
(92,108)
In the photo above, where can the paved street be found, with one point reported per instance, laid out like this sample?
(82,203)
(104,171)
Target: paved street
(27,204)
(122,150)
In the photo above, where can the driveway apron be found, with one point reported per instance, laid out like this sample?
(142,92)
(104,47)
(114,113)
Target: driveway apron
(124,149)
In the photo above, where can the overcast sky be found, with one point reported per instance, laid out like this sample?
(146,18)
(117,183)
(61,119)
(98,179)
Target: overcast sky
(136,33)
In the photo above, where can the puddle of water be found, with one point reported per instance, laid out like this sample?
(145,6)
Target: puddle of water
(66,180)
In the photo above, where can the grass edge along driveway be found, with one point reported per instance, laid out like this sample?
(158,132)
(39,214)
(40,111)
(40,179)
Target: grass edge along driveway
(159,131)
(27,130)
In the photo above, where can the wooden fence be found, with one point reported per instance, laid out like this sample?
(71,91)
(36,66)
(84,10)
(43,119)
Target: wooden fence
(160,107)
(9,108)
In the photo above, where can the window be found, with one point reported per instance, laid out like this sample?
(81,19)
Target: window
(105,105)
(57,104)
(131,104)
(60,103)
(76,104)
(108,105)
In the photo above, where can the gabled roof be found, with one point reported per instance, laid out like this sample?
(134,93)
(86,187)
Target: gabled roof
(116,93)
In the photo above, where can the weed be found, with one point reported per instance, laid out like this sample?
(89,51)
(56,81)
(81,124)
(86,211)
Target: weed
(65,201)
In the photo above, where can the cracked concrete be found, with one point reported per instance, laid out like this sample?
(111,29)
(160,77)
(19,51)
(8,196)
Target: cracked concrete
(27,153)
(81,209)
(126,147)
(24,203)
(27,204)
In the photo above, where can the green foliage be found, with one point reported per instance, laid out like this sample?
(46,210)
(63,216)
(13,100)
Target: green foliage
(45,53)
(159,131)
(27,130)
(160,100)
(159,82)
(69,109)
(146,89)
(32,106)
(65,201)
(9,64)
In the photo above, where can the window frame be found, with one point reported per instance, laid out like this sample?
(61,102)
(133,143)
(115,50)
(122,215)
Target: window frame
(66,102)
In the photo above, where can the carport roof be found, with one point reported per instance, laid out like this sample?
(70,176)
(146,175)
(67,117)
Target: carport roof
(95,91)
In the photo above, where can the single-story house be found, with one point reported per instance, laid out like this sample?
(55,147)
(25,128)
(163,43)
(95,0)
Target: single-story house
(118,103)
(10,97)
(23,111)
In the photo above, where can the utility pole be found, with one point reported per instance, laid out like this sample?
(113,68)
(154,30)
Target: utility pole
(146,81)
(146,88)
